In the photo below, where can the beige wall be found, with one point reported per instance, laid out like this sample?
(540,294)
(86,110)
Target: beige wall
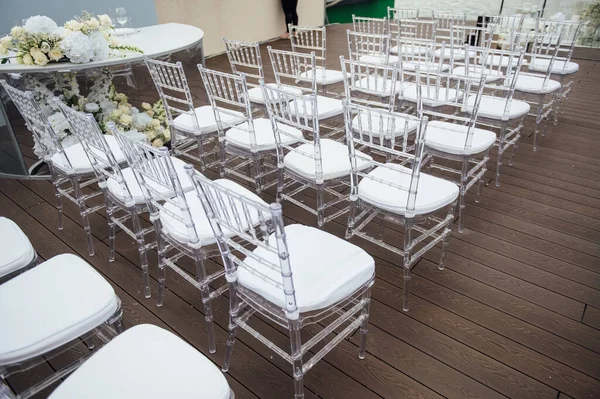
(247,20)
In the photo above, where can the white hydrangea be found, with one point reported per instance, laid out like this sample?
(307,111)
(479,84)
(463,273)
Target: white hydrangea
(136,135)
(69,141)
(59,124)
(141,120)
(77,48)
(41,24)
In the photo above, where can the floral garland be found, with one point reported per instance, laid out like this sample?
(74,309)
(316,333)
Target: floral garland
(104,103)
(81,40)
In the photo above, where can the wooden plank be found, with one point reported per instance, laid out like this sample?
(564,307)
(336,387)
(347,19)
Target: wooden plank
(591,317)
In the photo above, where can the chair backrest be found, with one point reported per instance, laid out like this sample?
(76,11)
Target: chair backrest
(289,110)
(376,26)
(567,30)
(418,28)
(402,13)
(253,251)
(291,68)
(93,141)
(368,44)
(506,30)
(446,20)
(174,91)
(370,84)
(545,48)
(156,175)
(461,35)
(448,96)
(370,137)
(228,95)
(419,51)
(38,124)
(308,39)
(245,59)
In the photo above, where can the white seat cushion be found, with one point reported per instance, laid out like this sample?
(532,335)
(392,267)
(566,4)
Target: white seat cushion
(206,120)
(177,229)
(400,126)
(493,107)
(334,156)
(450,138)
(136,191)
(16,249)
(433,193)
(51,304)
(429,97)
(326,269)
(370,84)
(263,132)
(324,76)
(255,94)
(326,107)
(425,66)
(145,362)
(408,49)
(491,75)
(501,60)
(459,54)
(378,59)
(535,85)
(79,160)
(559,67)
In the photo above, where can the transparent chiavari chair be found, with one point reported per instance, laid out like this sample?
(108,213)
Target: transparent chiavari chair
(278,272)
(452,134)
(506,30)
(394,189)
(563,68)
(195,125)
(411,29)
(402,13)
(313,39)
(445,21)
(375,26)
(300,68)
(182,229)
(70,167)
(122,193)
(537,88)
(318,163)
(498,109)
(465,36)
(371,48)
(245,145)
(421,53)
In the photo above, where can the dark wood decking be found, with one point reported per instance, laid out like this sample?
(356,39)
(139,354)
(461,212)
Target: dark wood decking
(516,312)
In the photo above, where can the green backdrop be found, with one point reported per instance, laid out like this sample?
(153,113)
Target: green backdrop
(373,8)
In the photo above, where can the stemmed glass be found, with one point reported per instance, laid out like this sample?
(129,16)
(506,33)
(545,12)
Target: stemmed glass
(121,16)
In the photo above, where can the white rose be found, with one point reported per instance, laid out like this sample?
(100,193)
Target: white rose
(34,51)
(158,143)
(40,59)
(167,134)
(3,49)
(27,59)
(155,123)
(55,54)
(105,20)
(91,107)
(93,23)
(45,47)
(115,114)
(6,41)
(124,109)
(17,31)
(125,119)
(74,25)
(146,106)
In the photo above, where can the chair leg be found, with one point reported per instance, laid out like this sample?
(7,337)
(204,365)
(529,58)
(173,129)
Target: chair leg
(297,359)
(503,128)
(200,143)
(223,156)
(111,229)
(280,182)
(463,191)
(206,301)
(5,391)
(233,309)
(141,243)
(258,169)
(445,243)
(351,216)
(162,263)
(407,263)
(366,299)
(320,205)
(538,121)
(84,215)
(58,195)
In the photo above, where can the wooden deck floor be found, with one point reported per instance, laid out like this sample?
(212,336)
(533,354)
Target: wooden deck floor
(515,314)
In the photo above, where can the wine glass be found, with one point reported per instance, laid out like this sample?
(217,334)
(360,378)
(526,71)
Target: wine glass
(121,16)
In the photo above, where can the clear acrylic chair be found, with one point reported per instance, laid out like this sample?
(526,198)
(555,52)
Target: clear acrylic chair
(291,68)
(69,167)
(245,60)
(563,68)
(537,88)
(370,48)
(375,26)
(463,36)
(498,110)
(18,255)
(421,53)
(190,126)
(313,39)
(402,13)
(445,21)
(248,146)
(506,30)
(67,301)
(278,272)
(122,193)
(317,163)
(411,29)
(452,134)
(394,189)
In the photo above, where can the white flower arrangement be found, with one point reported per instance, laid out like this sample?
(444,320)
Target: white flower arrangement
(84,39)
